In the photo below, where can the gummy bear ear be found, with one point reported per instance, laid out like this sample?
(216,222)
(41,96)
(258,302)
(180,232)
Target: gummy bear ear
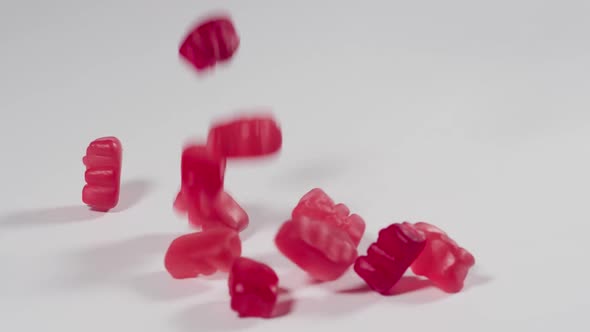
(429,228)
(355,227)
(412,232)
(314,193)
(465,257)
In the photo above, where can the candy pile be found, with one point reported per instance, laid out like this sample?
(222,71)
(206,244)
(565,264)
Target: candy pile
(202,194)
(321,237)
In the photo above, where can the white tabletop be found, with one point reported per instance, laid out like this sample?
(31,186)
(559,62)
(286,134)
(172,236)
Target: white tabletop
(471,115)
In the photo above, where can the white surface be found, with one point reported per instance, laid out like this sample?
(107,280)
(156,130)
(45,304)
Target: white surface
(472,115)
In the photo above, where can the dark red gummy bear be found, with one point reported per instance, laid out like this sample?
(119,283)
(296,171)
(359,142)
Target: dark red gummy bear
(387,260)
(103,173)
(202,253)
(246,137)
(212,41)
(322,249)
(253,287)
(317,205)
(201,194)
(442,261)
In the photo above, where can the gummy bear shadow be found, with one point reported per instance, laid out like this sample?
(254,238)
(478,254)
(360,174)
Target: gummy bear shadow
(336,304)
(218,316)
(476,278)
(48,216)
(410,288)
(417,290)
(131,193)
(359,297)
(112,263)
(160,286)
(210,316)
(406,284)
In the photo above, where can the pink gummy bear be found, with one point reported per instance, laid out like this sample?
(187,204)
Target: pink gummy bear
(201,194)
(442,261)
(322,249)
(203,253)
(317,205)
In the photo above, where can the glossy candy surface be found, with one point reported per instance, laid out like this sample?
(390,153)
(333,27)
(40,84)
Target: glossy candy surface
(322,249)
(202,171)
(201,194)
(396,248)
(219,211)
(253,288)
(246,137)
(442,261)
(212,41)
(202,253)
(317,205)
(103,173)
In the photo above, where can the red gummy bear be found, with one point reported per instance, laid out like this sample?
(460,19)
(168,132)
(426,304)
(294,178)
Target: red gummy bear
(322,249)
(442,260)
(201,193)
(202,171)
(212,41)
(202,253)
(253,287)
(103,173)
(219,211)
(317,205)
(387,260)
(246,137)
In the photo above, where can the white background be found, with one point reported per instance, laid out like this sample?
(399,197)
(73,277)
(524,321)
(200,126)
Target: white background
(472,115)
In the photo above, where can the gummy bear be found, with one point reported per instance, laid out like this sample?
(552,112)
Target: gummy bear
(442,261)
(202,253)
(210,42)
(317,205)
(220,211)
(103,173)
(201,194)
(322,249)
(246,137)
(202,171)
(253,287)
(396,248)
